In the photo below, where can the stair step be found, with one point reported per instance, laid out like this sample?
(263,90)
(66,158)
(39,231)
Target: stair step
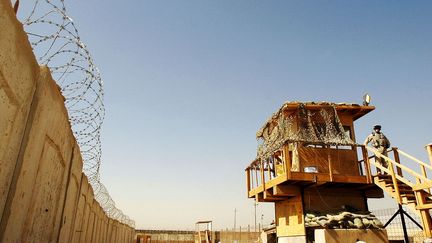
(410,198)
(400,185)
(404,191)
(403,188)
(390,181)
(414,201)
(426,206)
(384,177)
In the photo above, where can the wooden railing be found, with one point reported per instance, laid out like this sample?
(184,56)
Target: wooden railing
(415,178)
(280,163)
(419,175)
(278,167)
(259,172)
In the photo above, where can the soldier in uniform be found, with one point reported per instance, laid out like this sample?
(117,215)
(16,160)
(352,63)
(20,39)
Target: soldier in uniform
(380,143)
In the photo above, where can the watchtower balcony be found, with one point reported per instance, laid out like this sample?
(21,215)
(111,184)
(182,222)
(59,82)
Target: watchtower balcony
(305,144)
(274,179)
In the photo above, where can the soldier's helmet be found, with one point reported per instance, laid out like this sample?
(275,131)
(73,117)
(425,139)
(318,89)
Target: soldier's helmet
(377,127)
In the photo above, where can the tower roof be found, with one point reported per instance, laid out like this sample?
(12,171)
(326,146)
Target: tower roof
(351,109)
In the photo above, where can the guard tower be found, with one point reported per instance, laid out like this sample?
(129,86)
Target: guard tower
(307,161)
(203,232)
(309,164)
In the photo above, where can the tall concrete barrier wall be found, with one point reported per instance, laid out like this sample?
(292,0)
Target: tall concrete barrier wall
(44,196)
(16,93)
(173,236)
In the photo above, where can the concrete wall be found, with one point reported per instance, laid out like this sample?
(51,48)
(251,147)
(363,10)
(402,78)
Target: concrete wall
(161,236)
(243,236)
(350,235)
(44,196)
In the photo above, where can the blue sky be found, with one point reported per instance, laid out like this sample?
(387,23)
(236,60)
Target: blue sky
(188,83)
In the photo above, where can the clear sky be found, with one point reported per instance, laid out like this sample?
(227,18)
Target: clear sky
(188,84)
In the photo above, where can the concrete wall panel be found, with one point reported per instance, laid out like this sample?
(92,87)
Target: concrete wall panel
(102,218)
(110,230)
(103,230)
(350,235)
(70,211)
(125,233)
(91,226)
(36,201)
(98,223)
(79,218)
(19,72)
(114,237)
(122,234)
(102,233)
(95,229)
(87,213)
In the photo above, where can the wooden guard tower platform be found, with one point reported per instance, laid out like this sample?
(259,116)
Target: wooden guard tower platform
(203,232)
(309,161)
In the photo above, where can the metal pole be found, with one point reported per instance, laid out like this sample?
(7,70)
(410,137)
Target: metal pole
(235,215)
(413,220)
(255,205)
(403,223)
(262,218)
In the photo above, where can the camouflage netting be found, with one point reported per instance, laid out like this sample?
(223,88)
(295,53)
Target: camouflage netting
(301,124)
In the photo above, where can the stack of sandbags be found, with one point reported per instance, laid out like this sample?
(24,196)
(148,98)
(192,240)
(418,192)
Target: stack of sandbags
(343,220)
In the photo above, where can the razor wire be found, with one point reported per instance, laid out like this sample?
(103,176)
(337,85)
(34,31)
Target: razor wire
(57,44)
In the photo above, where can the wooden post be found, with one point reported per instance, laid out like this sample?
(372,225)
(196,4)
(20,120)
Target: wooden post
(423,171)
(256,176)
(418,182)
(287,160)
(359,162)
(330,168)
(395,183)
(429,151)
(252,171)
(397,160)
(262,176)
(268,169)
(367,164)
(289,217)
(248,181)
(425,217)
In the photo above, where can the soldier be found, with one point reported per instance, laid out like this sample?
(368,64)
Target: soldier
(380,143)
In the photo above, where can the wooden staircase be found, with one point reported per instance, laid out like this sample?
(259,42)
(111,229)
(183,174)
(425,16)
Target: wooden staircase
(404,184)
